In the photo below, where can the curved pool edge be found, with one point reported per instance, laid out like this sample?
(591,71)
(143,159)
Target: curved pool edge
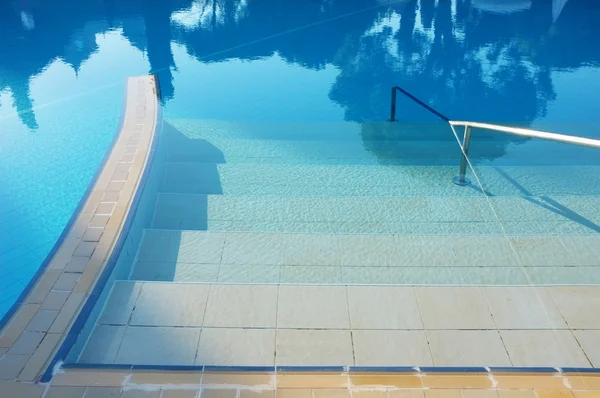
(44,320)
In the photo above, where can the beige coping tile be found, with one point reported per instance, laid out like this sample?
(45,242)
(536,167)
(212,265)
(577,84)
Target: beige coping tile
(523,308)
(77,264)
(554,394)
(529,382)
(516,394)
(11,389)
(165,378)
(85,249)
(17,324)
(11,365)
(66,281)
(92,234)
(478,393)
(385,380)
(71,377)
(457,381)
(218,393)
(120,176)
(103,392)
(99,221)
(178,394)
(64,253)
(578,305)
(115,186)
(252,379)
(40,357)
(55,300)
(117,218)
(586,394)
(391,348)
(383,307)
(67,313)
(65,392)
(453,308)
(318,307)
(443,394)
(42,321)
(266,393)
(93,201)
(543,348)
(27,343)
(369,394)
(141,394)
(340,393)
(43,286)
(406,393)
(123,167)
(79,226)
(241,306)
(313,347)
(105,208)
(110,196)
(87,279)
(583,382)
(105,243)
(467,348)
(293,393)
(329,380)
(127,158)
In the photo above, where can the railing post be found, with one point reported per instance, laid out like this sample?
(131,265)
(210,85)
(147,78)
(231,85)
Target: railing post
(461,179)
(393,113)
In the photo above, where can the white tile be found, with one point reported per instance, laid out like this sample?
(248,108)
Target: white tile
(495,276)
(248,306)
(453,308)
(467,348)
(541,251)
(158,346)
(589,340)
(201,247)
(120,303)
(584,250)
(426,251)
(557,348)
(305,249)
(484,251)
(367,250)
(175,272)
(391,348)
(159,245)
(311,274)
(313,347)
(579,305)
(383,307)
(229,273)
(170,304)
(261,249)
(102,345)
(313,307)
(236,347)
(523,308)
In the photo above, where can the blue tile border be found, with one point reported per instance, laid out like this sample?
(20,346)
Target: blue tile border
(525,370)
(453,369)
(384,369)
(214,368)
(89,304)
(580,370)
(311,368)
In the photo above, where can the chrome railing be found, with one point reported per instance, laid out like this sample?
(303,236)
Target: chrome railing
(466,142)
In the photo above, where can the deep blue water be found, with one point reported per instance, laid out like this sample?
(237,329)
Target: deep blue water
(63,65)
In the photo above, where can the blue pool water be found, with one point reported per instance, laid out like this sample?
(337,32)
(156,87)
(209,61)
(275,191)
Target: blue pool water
(300,85)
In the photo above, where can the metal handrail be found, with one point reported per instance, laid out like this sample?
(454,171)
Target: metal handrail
(523,132)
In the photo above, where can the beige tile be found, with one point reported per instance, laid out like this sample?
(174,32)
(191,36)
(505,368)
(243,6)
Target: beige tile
(244,380)
(85,249)
(293,393)
(44,285)
(479,394)
(516,394)
(66,281)
(467,348)
(318,307)
(236,347)
(306,249)
(556,348)
(220,393)
(77,264)
(27,343)
(11,365)
(103,344)
(67,313)
(55,300)
(443,393)
(140,394)
(64,392)
(383,307)
(92,377)
(367,250)
(257,394)
(110,196)
(103,392)
(406,393)
(179,394)
(260,249)
(170,304)
(42,321)
(589,340)
(120,303)
(242,306)
(157,377)
(313,347)
(158,346)
(40,358)
(10,389)
(457,380)
(453,308)
(312,380)
(339,393)
(17,324)
(369,393)
(391,348)
(92,234)
(578,305)
(384,379)
(523,308)
(99,221)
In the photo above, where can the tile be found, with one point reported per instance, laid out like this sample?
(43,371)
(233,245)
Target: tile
(457,380)
(102,345)
(516,394)
(158,346)
(485,251)
(39,359)
(120,303)
(313,347)
(257,394)
(541,251)
(42,321)
(55,300)
(453,308)
(160,245)
(312,380)
(66,315)
(92,234)
(64,392)
(467,348)
(244,379)
(242,306)
(495,276)
(103,392)
(201,247)
(170,304)
(10,389)
(172,377)
(443,394)
(322,307)
(99,221)
(11,365)
(77,264)
(236,347)
(480,394)
(383,307)
(140,394)
(338,393)
(249,273)
(578,305)
(391,348)
(304,249)
(26,343)
(554,394)
(374,275)
(417,251)
(369,394)
(367,250)
(523,308)
(584,250)
(179,394)
(589,340)
(311,274)
(220,393)
(557,348)
(261,249)
(66,281)
(406,393)
(566,275)
(175,272)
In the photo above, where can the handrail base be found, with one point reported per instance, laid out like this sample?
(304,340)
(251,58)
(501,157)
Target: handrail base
(461,181)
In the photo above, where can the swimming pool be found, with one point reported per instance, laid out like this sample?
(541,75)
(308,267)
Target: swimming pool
(277,165)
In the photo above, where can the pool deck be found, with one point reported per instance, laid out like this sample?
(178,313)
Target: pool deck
(73,280)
